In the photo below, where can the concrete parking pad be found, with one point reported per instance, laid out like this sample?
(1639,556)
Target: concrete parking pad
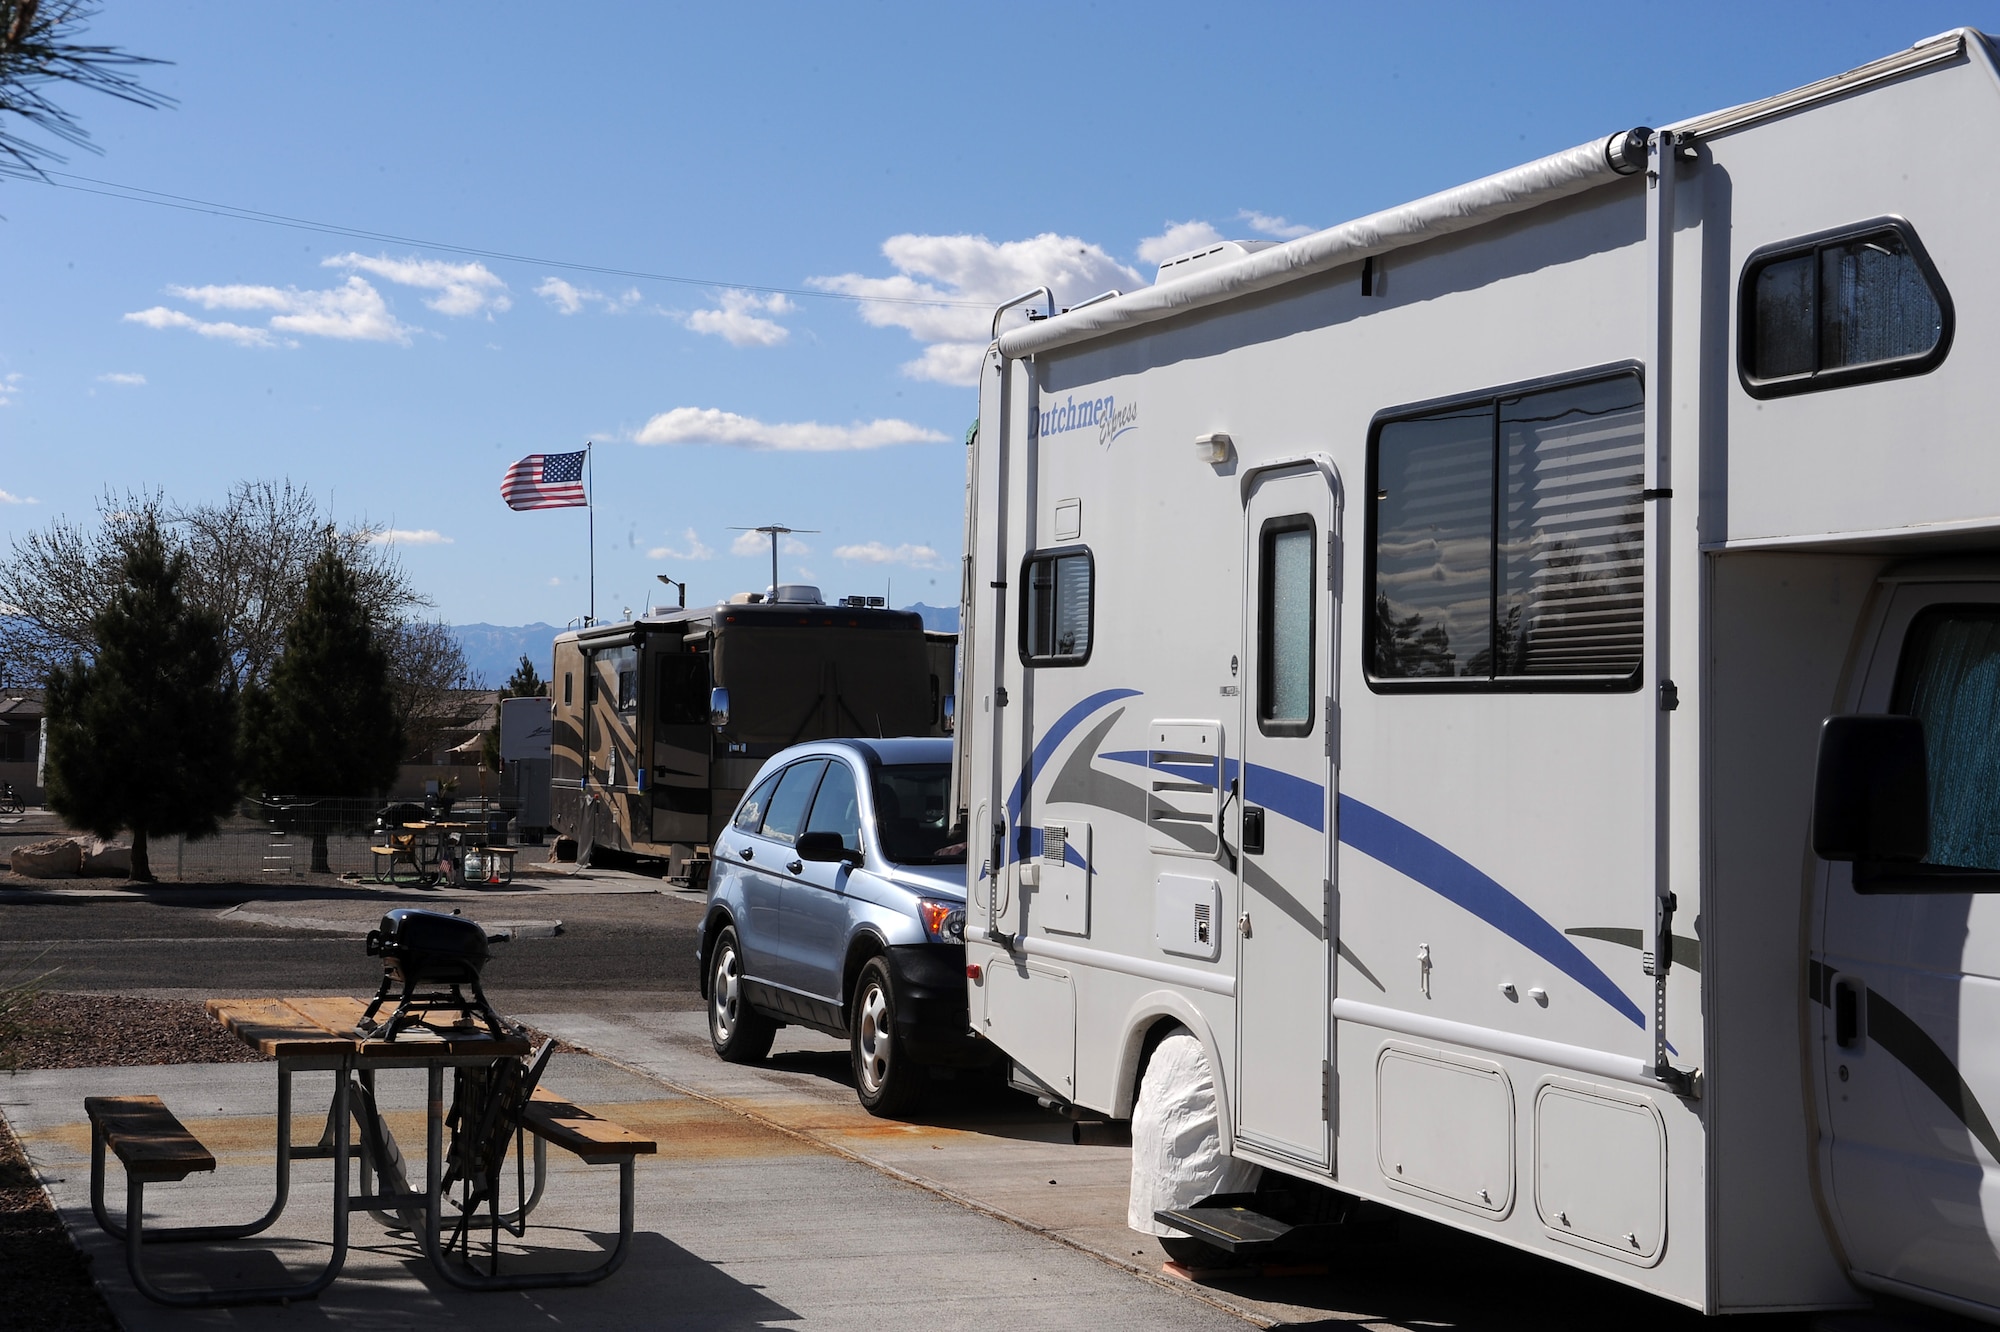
(740,1225)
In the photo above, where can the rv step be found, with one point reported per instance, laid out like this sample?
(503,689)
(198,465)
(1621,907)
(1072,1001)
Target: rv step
(1232,1223)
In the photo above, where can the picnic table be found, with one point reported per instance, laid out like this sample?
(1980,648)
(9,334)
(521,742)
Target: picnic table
(431,851)
(320,1034)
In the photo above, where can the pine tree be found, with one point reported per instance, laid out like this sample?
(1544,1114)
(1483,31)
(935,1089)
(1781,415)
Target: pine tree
(525,682)
(140,734)
(326,725)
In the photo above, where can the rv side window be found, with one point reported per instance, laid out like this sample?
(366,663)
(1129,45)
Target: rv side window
(1285,629)
(624,665)
(1839,308)
(1949,679)
(1056,608)
(569,689)
(1506,539)
(683,697)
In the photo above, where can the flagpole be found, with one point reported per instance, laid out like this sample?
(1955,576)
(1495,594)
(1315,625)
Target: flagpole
(590,507)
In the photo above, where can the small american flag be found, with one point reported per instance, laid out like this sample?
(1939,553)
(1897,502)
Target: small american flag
(545,481)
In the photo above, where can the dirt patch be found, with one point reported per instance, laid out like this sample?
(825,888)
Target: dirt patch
(44,1281)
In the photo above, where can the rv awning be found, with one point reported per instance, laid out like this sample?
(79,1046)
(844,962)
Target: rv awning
(1512,191)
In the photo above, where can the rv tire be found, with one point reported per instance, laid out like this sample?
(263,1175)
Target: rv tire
(886,1079)
(740,1034)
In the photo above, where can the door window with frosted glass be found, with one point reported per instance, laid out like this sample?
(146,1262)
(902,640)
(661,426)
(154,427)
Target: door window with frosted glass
(1286,620)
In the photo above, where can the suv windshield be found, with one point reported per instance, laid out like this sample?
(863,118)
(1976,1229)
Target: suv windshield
(910,814)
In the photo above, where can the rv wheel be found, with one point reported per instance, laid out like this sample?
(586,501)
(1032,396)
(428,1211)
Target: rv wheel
(884,1078)
(739,1032)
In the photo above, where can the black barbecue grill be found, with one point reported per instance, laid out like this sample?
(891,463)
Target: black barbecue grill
(435,959)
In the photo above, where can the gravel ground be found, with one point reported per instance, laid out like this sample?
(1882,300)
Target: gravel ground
(101,1031)
(44,1281)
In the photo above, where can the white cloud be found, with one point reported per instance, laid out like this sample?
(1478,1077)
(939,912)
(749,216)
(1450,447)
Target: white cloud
(10,384)
(978,274)
(710,425)
(1274,226)
(118,377)
(462,289)
(241,334)
(697,549)
(874,552)
(353,311)
(555,582)
(6,498)
(566,298)
(401,536)
(759,543)
(1178,238)
(569,299)
(739,320)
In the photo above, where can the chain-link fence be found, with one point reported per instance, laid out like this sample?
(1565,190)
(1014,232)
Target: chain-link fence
(272,838)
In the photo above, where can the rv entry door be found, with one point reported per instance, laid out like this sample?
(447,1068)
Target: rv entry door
(1283,817)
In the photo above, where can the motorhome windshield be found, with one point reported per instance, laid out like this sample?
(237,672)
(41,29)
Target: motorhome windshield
(911,814)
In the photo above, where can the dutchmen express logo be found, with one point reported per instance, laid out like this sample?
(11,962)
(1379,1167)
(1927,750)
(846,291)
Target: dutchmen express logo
(1104,415)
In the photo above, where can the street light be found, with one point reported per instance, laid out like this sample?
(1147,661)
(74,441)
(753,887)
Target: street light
(681,588)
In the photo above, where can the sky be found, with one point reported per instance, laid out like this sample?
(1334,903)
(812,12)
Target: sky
(781,189)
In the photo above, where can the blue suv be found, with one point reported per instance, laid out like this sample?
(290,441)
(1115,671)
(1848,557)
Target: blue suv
(837,901)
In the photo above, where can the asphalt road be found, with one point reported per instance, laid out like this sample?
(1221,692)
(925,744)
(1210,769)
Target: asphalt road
(619,952)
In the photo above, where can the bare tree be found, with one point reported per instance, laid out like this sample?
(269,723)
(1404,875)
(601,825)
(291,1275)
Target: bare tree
(250,555)
(248,559)
(425,666)
(58,579)
(39,50)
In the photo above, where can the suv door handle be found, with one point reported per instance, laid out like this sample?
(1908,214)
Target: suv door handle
(795,866)
(747,852)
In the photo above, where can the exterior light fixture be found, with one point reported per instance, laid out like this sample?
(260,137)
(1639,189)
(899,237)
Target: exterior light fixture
(1214,448)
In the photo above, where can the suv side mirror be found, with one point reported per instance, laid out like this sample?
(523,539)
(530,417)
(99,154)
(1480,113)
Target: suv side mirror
(950,713)
(718,707)
(1871,795)
(825,847)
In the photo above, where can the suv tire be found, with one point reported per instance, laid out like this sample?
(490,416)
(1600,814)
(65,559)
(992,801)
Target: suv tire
(740,1034)
(885,1078)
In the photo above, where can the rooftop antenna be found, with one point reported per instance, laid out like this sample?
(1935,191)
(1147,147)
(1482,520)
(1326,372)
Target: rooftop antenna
(681,588)
(775,530)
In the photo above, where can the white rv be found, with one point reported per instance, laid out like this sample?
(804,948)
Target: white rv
(1401,657)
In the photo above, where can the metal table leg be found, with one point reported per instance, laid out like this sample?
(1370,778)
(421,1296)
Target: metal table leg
(286,1151)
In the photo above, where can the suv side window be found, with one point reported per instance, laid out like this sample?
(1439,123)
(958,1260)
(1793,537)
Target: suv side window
(789,802)
(751,815)
(837,807)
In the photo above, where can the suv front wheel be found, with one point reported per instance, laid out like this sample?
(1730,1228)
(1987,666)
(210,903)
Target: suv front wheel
(740,1034)
(887,1082)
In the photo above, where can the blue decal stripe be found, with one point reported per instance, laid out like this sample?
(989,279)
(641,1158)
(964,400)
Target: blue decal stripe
(1407,851)
(1294,797)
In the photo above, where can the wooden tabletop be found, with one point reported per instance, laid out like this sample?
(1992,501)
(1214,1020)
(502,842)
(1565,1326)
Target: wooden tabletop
(322,1027)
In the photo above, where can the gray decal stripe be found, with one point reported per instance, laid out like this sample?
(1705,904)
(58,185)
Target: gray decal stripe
(1911,1046)
(1906,1042)
(1687,952)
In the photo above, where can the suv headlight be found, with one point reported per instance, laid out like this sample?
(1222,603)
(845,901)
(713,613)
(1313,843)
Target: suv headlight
(943,921)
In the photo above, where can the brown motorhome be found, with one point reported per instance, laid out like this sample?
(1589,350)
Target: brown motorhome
(662,722)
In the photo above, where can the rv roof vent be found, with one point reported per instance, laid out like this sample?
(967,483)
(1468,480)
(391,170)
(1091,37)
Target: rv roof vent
(746,599)
(798,592)
(1208,256)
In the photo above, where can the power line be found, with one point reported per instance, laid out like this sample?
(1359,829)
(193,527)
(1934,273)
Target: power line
(111,189)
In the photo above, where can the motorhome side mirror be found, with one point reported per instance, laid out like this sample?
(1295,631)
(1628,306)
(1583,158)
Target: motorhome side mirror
(1871,795)
(824,847)
(950,712)
(718,707)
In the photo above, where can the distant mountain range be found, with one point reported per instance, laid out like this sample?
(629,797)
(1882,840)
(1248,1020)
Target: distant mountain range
(492,651)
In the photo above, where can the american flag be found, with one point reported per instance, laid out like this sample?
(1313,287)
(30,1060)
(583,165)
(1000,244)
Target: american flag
(545,481)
